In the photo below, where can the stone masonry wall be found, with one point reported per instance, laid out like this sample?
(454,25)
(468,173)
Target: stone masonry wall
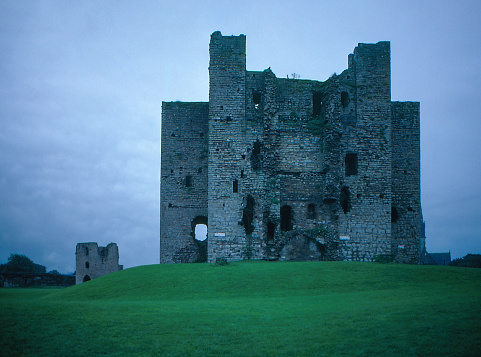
(183,204)
(365,229)
(227,145)
(406,205)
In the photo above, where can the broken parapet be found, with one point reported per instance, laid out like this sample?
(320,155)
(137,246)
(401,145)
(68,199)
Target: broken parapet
(93,261)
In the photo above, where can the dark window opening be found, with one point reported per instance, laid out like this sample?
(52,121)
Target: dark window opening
(201,135)
(345,200)
(87,265)
(172,135)
(311,211)
(221,107)
(351,164)
(235,186)
(86,278)
(410,209)
(394,214)
(271,231)
(344,99)
(329,200)
(286,218)
(248,215)
(256,97)
(256,158)
(228,118)
(242,173)
(316,103)
(86,251)
(188,181)
(170,205)
(381,195)
(199,170)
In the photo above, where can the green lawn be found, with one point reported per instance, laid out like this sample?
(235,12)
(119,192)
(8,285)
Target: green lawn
(251,309)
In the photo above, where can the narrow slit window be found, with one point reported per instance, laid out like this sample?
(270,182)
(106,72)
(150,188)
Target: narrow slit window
(248,215)
(256,157)
(235,186)
(394,214)
(311,211)
(344,99)
(345,200)
(256,97)
(286,218)
(316,103)
(188,181)
(351,164)
(271,231)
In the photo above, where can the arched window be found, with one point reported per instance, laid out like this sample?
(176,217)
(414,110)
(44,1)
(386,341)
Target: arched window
(199,228)
(199,232)
(87,265)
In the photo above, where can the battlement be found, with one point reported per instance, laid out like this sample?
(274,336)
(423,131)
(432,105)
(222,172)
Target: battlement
(289,169)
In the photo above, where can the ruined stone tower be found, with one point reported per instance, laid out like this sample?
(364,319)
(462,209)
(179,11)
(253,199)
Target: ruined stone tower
(93,261)
(290,169)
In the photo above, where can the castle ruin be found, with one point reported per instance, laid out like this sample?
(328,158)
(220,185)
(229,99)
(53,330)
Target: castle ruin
(291,169)
(93,261)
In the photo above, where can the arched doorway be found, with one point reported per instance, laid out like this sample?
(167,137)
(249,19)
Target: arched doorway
(199,232)
(86,278)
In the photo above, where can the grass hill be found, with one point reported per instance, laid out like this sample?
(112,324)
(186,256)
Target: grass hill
(251,309)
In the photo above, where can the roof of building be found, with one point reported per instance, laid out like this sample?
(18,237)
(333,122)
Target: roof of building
(437,258)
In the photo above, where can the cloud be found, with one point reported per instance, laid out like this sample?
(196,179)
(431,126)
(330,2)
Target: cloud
(82,85)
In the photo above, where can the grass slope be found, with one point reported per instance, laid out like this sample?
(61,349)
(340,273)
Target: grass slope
(251,309)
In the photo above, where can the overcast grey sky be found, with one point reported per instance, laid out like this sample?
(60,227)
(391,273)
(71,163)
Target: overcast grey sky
(82,84)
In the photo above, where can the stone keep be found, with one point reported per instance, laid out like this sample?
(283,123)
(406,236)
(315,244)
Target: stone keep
(93,261)
(290,169)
